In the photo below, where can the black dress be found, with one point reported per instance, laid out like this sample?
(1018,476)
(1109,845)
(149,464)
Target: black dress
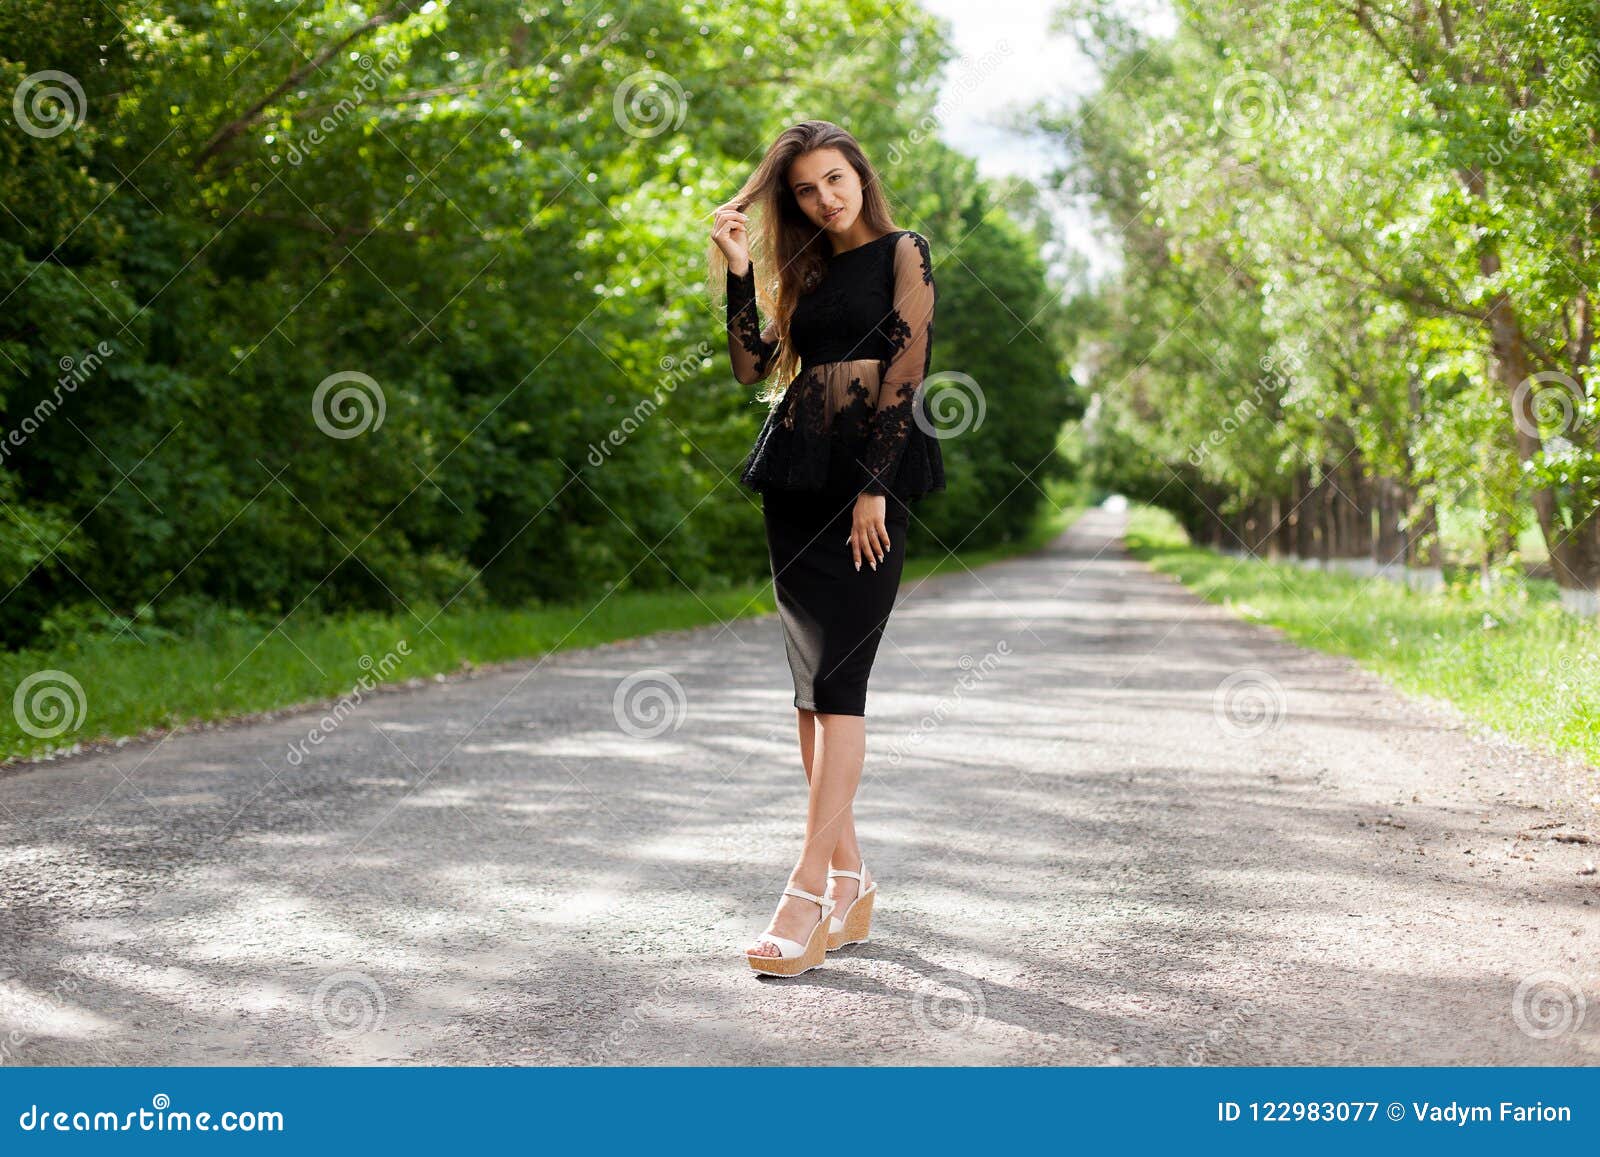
(853,420)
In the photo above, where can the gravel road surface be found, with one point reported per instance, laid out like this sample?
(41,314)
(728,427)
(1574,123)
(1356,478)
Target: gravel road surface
(1112,824)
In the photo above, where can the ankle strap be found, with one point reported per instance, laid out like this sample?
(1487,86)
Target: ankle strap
(822,902)
(856,875)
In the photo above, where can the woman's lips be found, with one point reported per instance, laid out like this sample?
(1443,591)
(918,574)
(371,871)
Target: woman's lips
(832,215)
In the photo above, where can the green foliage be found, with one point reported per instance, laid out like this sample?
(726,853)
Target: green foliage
(493,214)
(1392,205)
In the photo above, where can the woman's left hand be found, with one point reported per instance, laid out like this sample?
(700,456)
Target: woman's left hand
(869,537)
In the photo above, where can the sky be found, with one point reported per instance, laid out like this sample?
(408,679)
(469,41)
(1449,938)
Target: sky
(1009,60)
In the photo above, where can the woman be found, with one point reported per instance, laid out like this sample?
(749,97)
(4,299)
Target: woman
(846,447)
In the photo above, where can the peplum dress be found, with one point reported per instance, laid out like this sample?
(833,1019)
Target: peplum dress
(853,420)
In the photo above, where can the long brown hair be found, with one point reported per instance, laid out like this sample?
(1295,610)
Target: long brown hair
(784,241)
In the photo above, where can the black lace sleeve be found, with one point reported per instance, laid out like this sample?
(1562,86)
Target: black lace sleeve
(751,351)
(910,326)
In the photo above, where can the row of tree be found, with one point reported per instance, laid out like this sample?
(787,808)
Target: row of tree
(1360,246)
(323,306)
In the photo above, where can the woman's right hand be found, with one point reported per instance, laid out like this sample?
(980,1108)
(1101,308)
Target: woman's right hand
(728,231)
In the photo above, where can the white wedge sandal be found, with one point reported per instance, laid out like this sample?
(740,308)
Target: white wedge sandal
(857,921)
(794,957)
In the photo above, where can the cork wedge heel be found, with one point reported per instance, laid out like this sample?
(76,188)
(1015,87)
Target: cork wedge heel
(856,924)
(794,957)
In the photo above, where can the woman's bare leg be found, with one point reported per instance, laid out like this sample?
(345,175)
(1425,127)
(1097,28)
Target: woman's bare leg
(847,851)
(832,748)
(807,723)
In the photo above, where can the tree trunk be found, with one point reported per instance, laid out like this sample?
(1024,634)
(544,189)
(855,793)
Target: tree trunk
(1422,535)
(1390,547)
(1574,557)
(1305,516)
(1327,523)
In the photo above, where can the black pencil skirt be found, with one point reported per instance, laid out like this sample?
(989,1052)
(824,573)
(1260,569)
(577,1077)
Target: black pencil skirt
(833,615)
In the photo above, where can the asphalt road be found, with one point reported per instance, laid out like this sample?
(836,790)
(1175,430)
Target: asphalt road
(1112,824)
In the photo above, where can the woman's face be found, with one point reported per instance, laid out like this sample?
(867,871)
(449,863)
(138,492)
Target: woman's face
(827,189)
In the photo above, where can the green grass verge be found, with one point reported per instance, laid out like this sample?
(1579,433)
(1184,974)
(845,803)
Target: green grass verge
(1511,658)
(109,689)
